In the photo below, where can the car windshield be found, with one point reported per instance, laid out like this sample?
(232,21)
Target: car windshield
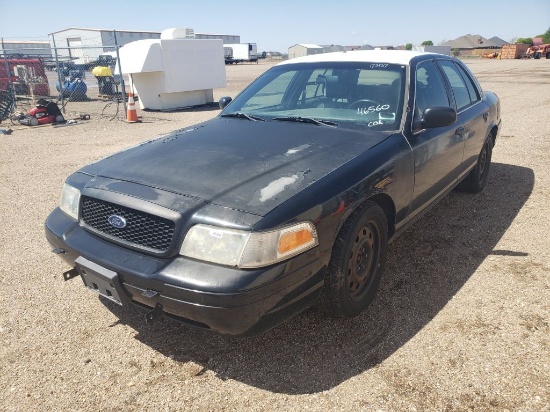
(334,94)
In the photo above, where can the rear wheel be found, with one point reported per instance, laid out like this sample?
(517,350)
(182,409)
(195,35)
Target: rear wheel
(357,262)
(477,178)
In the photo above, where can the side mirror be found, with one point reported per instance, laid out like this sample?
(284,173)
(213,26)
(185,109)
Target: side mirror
(224,101)
(436,116)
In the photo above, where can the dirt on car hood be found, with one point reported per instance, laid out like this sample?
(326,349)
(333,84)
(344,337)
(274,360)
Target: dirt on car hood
(240,164)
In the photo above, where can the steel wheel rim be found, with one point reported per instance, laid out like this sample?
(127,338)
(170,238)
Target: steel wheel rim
(363,260)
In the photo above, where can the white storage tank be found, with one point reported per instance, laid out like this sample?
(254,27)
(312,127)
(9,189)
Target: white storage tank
(174,71)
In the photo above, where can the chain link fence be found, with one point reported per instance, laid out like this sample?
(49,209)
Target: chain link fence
(81,74)
(78,69)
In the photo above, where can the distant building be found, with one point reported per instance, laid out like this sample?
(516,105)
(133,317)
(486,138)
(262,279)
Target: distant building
(333,48)
(32,48)
(474,41)
(365,47)
(87,43)
(497,41)
(433,49)
(227,38)
(300,50)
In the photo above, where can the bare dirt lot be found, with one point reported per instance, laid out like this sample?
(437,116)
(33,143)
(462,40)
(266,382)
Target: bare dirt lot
(461,321)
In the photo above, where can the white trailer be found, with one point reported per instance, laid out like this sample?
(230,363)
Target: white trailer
(241,52)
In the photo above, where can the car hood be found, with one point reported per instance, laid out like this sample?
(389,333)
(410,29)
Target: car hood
(239,164)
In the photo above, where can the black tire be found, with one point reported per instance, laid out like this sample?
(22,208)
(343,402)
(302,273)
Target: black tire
(110,110)
(477,178)
(548,55)
(357,262)
(537,55)
(14,119)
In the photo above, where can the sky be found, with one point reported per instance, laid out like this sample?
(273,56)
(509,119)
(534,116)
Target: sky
(277,25)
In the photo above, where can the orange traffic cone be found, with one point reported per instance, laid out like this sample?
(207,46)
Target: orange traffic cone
(131,115)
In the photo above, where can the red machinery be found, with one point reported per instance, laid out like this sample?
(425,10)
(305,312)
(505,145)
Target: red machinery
(536,52)
(45,112)
(26,75)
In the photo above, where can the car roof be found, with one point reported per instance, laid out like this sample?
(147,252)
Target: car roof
(372,56)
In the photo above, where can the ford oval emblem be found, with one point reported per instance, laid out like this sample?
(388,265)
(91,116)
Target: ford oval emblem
(117,221)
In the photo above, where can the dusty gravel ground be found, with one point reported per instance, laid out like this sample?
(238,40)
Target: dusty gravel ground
(461,321)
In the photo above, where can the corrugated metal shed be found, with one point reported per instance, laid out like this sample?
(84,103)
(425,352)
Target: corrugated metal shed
(304,49)
(81,39)
(34,48)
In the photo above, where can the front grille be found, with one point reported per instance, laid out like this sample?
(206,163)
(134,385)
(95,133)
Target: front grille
(142,229)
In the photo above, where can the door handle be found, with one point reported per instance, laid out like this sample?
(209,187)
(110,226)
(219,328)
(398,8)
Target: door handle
(459,134)
(485,116)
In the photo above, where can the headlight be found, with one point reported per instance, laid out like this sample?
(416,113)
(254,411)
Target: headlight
(70,199)
(248,249)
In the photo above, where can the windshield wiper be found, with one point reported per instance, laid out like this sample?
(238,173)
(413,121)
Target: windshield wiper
(311,120)
(246,116)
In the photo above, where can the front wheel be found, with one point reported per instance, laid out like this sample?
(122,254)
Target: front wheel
(477,178)
(357,262)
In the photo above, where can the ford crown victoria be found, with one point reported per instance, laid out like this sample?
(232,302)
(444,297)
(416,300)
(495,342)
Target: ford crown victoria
(287,198)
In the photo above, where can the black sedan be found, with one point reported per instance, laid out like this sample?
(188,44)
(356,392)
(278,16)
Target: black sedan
(287,198)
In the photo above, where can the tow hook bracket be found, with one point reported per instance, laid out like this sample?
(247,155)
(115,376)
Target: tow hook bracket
(68,275)
(154,314)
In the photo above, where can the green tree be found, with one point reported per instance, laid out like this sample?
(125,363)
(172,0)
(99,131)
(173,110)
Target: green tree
(427,43)
(408,46)
(525,40)
(456,52)
(546,36)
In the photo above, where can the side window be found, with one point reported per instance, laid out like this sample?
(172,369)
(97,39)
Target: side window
(430,88)
(472,89)
(460,89)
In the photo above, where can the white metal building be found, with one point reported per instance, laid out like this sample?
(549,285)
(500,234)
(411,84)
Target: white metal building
(87,43)
(227,38)
(300,50)
(84,42)
(34,48)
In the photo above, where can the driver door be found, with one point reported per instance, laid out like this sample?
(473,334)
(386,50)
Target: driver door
(438,151)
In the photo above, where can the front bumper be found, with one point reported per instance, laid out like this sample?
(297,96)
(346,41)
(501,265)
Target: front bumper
(227,300)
